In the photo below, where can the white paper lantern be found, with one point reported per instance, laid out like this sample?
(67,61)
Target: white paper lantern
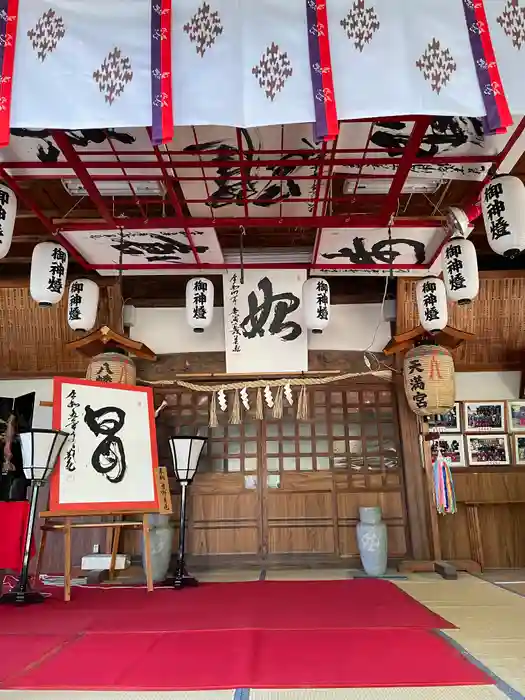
(432,304)
(200,296)
(460,270)
(316,304)
(82,304)
(48,273)
(7,219)
(503,207)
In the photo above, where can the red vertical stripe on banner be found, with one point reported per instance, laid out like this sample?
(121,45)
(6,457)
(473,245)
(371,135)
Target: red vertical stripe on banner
(7,70)
(332,121)
(495,78)
(166,80)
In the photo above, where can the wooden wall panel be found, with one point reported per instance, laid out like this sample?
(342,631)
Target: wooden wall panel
(502,524)
(496,317)
(33,341)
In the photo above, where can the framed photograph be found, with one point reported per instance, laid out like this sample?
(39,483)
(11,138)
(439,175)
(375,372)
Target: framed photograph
(519,449)
(109,461)
(487,450)
(452,448)
(449,422)
(484,417)
(516,416)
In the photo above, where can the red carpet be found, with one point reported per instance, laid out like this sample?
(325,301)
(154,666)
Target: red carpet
(285,605)
(355,633)
(253,659)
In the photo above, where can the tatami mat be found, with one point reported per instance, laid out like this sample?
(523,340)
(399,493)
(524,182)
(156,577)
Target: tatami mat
(307,574)
(122,695)
(102,695)
(489,619)
(454,693)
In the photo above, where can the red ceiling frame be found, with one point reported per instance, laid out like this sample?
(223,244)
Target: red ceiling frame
(167,161)
(47,223)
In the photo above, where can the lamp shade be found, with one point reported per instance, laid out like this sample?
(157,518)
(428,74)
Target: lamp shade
(316,304)
(185,454)
(200,295)
(432,304)
(40,450)
(503,208)
(48,273)
(7,219)
(82,304)
(460,270)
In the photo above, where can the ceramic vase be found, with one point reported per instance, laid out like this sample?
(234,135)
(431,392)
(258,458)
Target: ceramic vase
(161,546)
(372,541)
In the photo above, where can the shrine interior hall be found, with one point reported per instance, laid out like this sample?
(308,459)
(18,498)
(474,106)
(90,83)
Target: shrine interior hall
(262,397)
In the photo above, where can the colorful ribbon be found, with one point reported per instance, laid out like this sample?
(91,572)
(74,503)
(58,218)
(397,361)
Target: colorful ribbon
(498,116)
(326,126)
(444,486)
(161,90)
(8,24)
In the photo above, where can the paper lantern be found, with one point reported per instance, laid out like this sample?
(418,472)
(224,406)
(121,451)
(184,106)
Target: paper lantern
(112,368)
(48,273)
(200,296)
(7,219)
(82,305)
(503,208)
(432,304)
(429,377)
(460,270)
(316,304)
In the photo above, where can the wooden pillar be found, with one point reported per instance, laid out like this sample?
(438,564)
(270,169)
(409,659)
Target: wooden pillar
(416,489)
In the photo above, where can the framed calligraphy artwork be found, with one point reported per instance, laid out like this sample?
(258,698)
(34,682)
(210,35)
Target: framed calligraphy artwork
(263,322)
(110,459)
(146,247)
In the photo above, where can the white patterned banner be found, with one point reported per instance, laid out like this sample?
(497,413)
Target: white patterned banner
(263,322)
(246,62)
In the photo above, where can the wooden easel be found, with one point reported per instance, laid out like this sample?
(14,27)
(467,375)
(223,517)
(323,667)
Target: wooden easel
(63,522)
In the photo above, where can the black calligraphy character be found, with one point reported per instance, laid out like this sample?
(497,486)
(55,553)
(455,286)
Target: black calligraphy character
(415,366)
(258,314)
(3,213)
(455,265)
(159,249)
(429,287)
(493,191)
(104,374)
(382,252)
(430,299)
(4,198)
(453,251)
(77,288)
(495,208)
(499,228)
(431,313)
(420,399)
(444,134)
(417,383)
(109,455)
(47,152)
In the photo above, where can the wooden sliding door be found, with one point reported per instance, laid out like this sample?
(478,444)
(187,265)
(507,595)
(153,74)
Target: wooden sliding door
(283,489)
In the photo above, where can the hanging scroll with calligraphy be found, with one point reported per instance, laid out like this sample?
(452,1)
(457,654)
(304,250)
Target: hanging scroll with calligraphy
(110,457)
(263,322)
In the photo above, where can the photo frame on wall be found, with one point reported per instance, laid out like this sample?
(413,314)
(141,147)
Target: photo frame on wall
(488,450)
(449,422)
(484,417)
(452,447)
(519,448)
(109,461)
(516,416)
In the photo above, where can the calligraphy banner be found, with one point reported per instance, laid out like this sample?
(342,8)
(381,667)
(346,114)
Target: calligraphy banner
(263,325)
(109,461)
(366,250)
